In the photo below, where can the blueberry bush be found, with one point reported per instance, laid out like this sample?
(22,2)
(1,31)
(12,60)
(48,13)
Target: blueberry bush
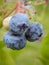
(24,38)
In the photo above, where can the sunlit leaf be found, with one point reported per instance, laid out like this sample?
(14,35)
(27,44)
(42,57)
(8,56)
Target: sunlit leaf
(5,58)
(45,47)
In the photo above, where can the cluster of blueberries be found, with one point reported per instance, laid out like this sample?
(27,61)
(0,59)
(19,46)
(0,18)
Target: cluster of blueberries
(20,31)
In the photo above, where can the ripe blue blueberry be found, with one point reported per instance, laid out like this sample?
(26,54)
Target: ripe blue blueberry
(34,32)
(19,23)
(14,42)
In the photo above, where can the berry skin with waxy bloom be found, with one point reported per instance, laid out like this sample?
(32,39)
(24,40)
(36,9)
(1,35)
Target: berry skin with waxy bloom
(34,32)
(19,23)
(14,42)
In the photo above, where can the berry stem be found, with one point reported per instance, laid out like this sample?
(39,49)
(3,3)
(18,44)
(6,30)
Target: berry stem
(8,13)
(17,8)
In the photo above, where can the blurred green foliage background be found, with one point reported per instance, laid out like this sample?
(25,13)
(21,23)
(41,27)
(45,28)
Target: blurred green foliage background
(35,53)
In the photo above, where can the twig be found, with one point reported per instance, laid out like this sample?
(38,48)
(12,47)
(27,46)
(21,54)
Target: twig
(15,8)
(39,3)
(10,11)
(3,9)
(33,12)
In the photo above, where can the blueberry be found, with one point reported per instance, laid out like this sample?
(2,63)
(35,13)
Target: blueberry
(14,42)
(19,23)
(34,32)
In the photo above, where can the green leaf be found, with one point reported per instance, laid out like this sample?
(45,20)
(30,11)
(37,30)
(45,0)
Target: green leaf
(5,58)
(45,47)
(1,44)
(39,8)
(2,32)
(1,2)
